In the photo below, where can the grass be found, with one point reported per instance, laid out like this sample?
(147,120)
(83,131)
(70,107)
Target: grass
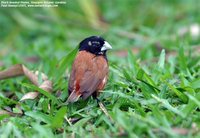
(154,81)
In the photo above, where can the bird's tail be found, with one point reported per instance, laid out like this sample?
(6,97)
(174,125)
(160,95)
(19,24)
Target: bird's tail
(73,97)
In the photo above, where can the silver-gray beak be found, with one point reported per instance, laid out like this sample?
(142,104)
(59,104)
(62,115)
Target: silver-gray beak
(106,46)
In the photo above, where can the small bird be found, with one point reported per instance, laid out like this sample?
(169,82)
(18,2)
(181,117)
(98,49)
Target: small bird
(90,69)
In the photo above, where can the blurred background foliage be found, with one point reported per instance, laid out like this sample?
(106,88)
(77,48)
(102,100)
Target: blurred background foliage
(53,32)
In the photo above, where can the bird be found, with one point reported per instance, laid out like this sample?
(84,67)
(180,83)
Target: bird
(90,69)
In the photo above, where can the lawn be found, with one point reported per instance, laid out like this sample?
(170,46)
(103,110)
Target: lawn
(153,88)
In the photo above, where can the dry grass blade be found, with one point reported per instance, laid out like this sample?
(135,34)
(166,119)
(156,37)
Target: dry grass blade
(4,112)
(105,111)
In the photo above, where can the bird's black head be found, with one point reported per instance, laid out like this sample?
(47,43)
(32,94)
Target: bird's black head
(95,44)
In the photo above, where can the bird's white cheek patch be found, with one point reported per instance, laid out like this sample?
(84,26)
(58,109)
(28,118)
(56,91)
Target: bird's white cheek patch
(89,43)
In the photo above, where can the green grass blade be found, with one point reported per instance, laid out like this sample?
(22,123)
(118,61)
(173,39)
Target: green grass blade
(64,63)
(59,117)
(166,104)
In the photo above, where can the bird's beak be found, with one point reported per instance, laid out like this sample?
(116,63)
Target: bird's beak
(106,46)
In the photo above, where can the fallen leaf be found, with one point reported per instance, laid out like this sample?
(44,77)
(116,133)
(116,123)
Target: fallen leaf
(30,95)
(19,70)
